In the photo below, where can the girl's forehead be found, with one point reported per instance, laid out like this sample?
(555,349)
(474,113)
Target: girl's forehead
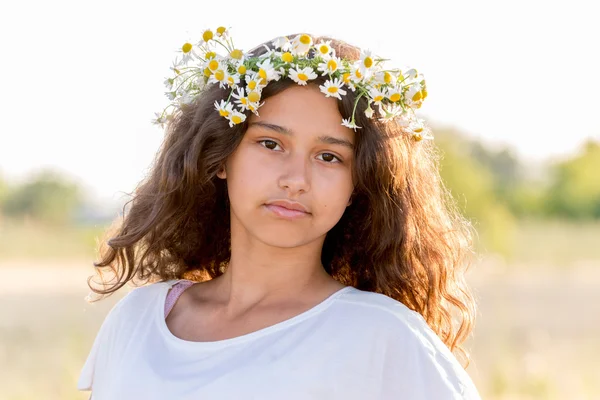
(302,109)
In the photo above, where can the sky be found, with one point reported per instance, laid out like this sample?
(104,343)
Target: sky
(81,81)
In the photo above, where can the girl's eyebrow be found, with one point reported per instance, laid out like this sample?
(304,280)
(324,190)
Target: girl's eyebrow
(286,131)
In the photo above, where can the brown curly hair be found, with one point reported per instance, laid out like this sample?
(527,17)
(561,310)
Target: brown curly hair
(402,236)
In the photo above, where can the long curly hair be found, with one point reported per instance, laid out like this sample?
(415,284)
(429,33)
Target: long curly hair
(402,235)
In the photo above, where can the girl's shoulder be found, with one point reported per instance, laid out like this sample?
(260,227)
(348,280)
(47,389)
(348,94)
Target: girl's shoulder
(381,309)
(139,301)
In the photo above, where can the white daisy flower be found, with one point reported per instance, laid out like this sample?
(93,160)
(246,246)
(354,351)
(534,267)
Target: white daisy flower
(222,32)
(301,44)
(410,74)
(219,76)
(419,130)
(329,66)
(159,120)
(369,111)
(186,98)
(349,124)
(171,95)
(333,88)
(254,81)
(214,64)
(366,60)
(324,49)
(188,53)
(175,67)
(243,102)
(376,95)
(287,57)
(232,80)
(225,109)
(282,43)
(269,53)
(390,112)
(394,94)
(414,96)
(356,74)
(207,36)
(254,96)
(302,76)
(235,118)
(267,72)
(385,78)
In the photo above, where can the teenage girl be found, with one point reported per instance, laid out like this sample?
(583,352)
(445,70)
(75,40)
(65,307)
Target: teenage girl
(286,257)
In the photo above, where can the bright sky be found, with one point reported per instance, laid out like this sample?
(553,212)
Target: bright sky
(82,80)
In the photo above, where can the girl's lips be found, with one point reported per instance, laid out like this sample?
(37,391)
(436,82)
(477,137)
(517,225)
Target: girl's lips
(285,212)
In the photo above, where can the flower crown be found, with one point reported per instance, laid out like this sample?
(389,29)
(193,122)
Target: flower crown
(396,93)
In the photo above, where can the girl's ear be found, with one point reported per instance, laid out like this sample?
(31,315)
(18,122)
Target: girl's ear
(222,174)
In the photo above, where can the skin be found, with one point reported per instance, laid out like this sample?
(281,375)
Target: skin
(275,271)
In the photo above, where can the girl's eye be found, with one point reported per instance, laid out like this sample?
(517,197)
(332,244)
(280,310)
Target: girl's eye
(269,144)
(328,158)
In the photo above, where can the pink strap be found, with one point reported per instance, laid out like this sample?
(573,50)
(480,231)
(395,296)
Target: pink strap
(174,294)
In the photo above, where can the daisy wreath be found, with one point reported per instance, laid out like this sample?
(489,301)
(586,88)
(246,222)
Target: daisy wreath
(396,93)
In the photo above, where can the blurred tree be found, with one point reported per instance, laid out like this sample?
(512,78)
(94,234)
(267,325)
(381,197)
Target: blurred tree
(472,184)
(3,190)
(47,197)
(575,190)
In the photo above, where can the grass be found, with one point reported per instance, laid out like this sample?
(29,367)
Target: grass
(32,241)
(535,336)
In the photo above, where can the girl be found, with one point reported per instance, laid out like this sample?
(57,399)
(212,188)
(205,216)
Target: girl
(293,236)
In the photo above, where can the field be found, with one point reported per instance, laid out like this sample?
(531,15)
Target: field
(536,336)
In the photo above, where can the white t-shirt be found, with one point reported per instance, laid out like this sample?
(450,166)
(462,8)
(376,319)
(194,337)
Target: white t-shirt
(353,345)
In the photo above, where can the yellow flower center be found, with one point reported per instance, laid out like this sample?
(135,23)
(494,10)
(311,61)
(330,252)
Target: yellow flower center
(424,92)
(230,80)
(418,137)
(324,49)
(418,129)
(287,57)
(332,89)
(210,55)
(241,69)
(254,96)
(368,62)
(262,73)
(395,97)
(332,65)
(305,39)
(236,119)
(236,54)
(378,98)
(186,48)
(221,30)
(213,65)
(387,77)
(243,100)
(223,112)
(358,74)
(252,85)
(346,77)
(417,96)
(302,77)
(220,75)
(207,35)
(251,107)
(207,72)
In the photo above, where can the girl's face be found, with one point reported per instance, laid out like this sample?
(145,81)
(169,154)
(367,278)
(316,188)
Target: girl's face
(297,152)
